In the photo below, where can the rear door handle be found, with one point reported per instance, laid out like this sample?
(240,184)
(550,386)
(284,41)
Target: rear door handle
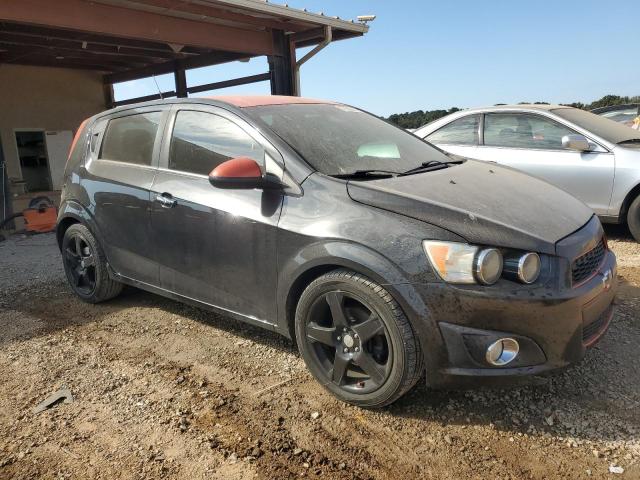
(166,200)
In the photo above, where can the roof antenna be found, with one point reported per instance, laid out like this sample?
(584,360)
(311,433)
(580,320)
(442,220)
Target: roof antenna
(159,91)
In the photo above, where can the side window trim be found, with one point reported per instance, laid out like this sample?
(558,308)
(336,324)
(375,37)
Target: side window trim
(165,150)
(155,155)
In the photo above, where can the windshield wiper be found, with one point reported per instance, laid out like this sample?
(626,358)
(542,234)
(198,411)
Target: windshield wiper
(430,166)
(631,140)
(374,172)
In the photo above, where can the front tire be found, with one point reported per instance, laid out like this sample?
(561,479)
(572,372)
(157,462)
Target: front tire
(356,340)
(85,266)
(633,218)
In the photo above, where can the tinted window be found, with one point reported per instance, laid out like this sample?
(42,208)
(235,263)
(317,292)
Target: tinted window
(338,139)
(202,141)
(130,139)
(523,131)
(463,131)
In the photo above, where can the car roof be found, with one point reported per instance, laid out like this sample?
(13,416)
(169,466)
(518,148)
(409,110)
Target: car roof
(234,101)
(244,101)
(523,106)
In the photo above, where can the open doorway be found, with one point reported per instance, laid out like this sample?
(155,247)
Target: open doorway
(32,152)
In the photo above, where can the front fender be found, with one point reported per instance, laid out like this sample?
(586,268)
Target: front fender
(317,258)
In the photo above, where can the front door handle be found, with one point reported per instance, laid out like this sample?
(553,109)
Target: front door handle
(166,200)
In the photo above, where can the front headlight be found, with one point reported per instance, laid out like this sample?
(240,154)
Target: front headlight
(462,263)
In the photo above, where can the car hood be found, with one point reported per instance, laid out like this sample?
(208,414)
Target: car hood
(482,202)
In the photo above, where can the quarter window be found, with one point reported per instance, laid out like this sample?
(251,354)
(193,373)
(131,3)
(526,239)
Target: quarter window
(130,139)
(201,141)
(523,131)
(463,131)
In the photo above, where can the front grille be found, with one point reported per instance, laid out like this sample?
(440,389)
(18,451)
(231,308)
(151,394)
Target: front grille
(586,265)
(591,332)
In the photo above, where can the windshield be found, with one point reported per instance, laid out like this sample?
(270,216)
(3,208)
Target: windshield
(608,129)
(625,116)
(339,140)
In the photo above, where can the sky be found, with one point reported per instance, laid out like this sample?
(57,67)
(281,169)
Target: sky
(425,55)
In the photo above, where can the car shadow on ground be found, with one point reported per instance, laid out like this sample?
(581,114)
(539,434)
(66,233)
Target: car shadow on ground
(617,232)
(55,308)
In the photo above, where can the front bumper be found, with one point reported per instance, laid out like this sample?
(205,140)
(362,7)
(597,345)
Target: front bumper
(554,327)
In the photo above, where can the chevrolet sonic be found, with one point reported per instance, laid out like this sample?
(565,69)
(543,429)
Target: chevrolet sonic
(384,257)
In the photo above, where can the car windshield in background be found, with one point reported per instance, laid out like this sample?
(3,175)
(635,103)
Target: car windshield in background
(341,140)
(625,116)
(609,130)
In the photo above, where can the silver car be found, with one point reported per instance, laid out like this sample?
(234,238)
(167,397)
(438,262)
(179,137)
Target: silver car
(591,157)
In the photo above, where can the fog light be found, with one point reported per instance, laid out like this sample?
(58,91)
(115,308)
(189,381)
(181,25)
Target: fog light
(502,352)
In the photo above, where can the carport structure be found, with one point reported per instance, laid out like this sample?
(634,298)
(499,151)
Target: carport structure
(60,59)
(133,39)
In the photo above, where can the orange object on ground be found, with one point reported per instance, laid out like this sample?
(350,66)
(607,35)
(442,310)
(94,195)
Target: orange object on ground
(40,220)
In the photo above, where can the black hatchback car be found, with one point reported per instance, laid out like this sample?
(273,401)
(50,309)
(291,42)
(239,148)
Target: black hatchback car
(382,256)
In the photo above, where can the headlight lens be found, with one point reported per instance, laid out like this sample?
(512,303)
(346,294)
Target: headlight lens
(462,263)
(524,268)
(452,261)
(488,266)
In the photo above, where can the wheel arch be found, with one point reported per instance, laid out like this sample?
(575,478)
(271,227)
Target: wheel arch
(321,259)
(628,200)
(72,212)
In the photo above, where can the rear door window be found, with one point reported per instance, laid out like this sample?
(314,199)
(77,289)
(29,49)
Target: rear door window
(201,141)
(131,139)
(463,131)
(517,130)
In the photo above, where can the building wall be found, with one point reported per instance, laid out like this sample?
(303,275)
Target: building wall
(44,98)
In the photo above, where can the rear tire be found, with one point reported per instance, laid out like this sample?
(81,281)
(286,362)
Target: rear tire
(633,218)
(356,340)
(86,266)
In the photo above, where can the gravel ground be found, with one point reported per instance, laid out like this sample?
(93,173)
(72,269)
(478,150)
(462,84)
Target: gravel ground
(163,390)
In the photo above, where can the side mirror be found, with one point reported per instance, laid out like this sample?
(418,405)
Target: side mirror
(576,142)
(242,173)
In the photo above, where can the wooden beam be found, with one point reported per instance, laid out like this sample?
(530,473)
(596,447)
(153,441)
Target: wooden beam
(316,34)
(87,47)
(206,60)
(136,24)
(125,60)
(201,10)
(263,77)
(146,98)
(46,62)
(52,34)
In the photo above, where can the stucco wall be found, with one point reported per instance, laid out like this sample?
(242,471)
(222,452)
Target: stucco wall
(44,98)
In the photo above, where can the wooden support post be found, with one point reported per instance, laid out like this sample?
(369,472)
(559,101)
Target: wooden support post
(181,82)
(281,66)
(109,99)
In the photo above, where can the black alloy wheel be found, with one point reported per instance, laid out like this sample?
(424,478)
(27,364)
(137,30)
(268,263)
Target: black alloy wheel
(356,341)
(349,342)
(80,262)
(86,266)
